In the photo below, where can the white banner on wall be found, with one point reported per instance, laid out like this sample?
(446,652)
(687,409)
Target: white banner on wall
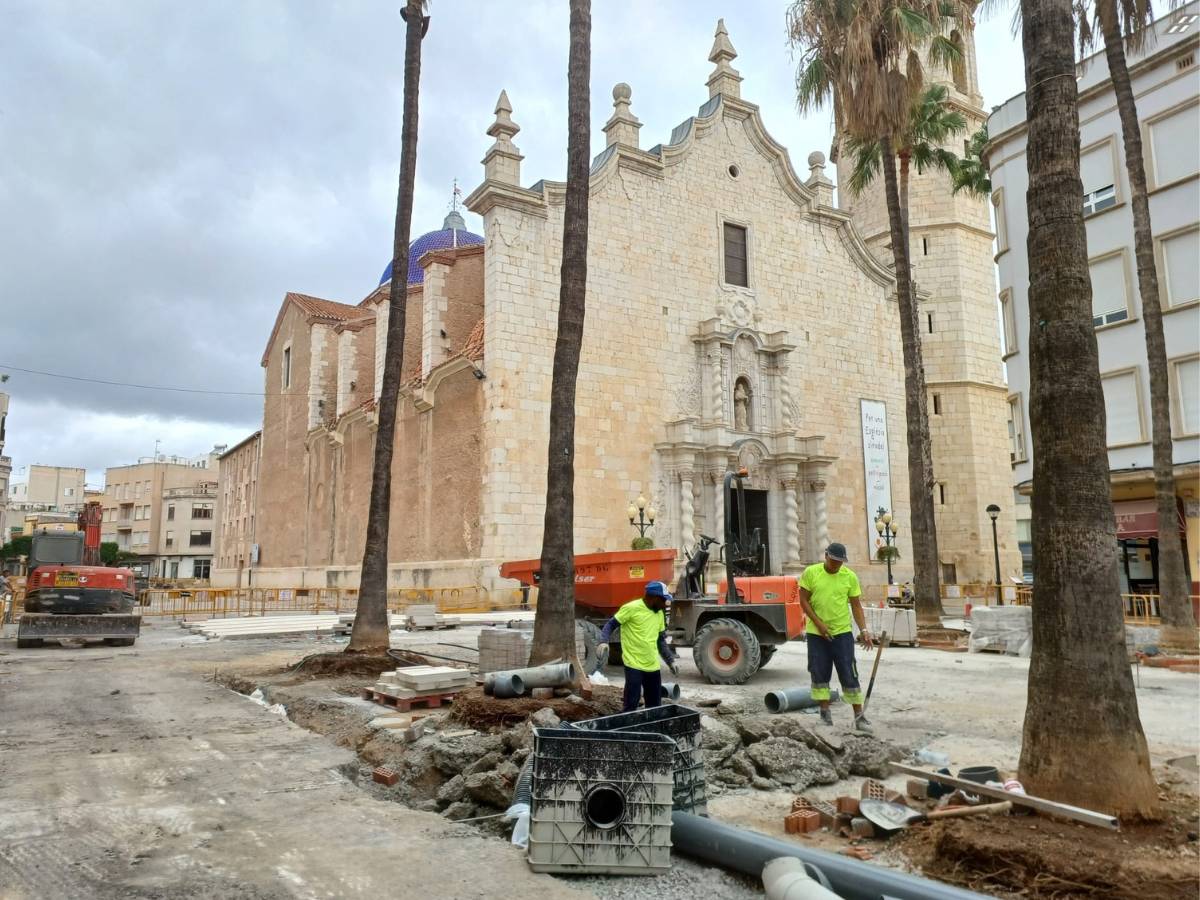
(876,464)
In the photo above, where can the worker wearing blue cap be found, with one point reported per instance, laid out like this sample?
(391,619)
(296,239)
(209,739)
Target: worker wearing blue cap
(643,626)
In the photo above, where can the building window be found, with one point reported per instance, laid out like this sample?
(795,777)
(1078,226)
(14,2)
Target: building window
(1016,429)
(201,568)
(202,510)
(937,404)
(1179,264)
(287,367)
(1186,412)
(941,493)
(959,72)
(170,539)
(69,492)
(1008,318)
(1096,167)
(1123,408)
(929,320)
(736,267)
(1099,200)
(171,513)
(1110,289)
(925,246)
(1172,144)
(200,539)
(1001,221)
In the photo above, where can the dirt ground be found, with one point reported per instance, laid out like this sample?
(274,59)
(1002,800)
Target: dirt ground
(176,786)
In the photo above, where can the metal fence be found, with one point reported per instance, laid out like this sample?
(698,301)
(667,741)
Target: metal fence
(215,603)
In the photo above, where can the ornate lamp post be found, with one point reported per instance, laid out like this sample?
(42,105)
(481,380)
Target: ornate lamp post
(887,533)
(993,510)
(641,515)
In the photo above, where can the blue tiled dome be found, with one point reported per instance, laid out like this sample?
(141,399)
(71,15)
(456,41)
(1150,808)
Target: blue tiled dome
(453,234)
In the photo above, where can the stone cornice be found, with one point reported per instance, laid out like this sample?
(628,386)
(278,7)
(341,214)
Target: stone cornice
(493,193)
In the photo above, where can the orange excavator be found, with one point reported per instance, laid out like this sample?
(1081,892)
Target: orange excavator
(70,596)
(733,633)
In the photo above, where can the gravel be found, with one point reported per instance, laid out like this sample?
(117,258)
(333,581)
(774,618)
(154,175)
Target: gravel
(687,880)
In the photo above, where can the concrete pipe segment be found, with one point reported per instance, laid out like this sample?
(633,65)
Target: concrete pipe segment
(507,685)
(793,698)
(671,691)
(748,852)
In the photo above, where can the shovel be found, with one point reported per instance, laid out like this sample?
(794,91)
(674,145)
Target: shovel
(894,816)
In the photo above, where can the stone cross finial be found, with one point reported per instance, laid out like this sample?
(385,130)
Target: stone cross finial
(725,78)
(502,162)
(623,126)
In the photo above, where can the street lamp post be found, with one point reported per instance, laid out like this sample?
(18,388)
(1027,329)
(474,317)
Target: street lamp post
(641,515)
(993,510)
(887,531)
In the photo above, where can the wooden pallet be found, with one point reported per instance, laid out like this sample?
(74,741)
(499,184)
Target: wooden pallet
(404,704)
(432,627)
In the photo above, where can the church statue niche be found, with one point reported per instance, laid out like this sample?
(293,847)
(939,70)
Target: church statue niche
(741,405)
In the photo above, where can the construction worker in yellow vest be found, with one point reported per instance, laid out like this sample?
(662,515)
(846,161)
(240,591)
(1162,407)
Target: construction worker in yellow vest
(829,593)
(643,641)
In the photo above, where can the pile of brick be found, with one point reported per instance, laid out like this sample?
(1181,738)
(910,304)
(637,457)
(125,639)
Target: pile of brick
(841,817)
(427,618)
(501,649)
(419,686)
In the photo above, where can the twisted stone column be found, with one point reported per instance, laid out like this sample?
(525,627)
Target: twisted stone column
(791,518)
(785,400)
(687,510)
(820,521)
(717,477)
(716,387)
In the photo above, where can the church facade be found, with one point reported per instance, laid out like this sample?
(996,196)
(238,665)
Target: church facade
(736,317)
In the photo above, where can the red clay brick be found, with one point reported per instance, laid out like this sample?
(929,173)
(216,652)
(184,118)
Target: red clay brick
(384,775)
(848,805)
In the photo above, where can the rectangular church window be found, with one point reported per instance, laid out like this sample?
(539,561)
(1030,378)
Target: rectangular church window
(736,269)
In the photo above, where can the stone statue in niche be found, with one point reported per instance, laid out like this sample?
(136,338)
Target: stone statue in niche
(741,405)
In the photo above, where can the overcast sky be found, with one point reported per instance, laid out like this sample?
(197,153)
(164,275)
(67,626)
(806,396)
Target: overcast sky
(169,170)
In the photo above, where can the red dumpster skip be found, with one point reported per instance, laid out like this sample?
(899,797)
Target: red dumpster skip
(603,581)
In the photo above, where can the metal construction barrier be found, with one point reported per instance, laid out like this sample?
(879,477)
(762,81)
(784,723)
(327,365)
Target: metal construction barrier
(215,603)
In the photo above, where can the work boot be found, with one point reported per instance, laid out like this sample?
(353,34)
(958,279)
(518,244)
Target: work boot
(826,716)
(861,724)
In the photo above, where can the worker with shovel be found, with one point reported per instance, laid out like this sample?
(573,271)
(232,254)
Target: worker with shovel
(829,592)
(642,624)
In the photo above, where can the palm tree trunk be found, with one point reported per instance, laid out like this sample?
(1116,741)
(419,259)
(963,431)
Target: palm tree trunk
(1081,715)
(905,162)
(922,526)
(554,625)
(370,634)
(1175,604)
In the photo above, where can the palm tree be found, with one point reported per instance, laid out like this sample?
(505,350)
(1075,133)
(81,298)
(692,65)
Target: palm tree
(1082,714)
(554,625)
(862,55)
(1121,23)
(931,123)
(370,634)
(971,175)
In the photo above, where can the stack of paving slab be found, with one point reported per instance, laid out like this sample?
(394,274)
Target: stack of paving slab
(415,682)
(272,626)
(427,616)
(1002,629)
(503,649)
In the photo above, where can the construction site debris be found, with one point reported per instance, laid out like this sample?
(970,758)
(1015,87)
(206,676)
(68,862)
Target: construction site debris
(1050,807)
(384,775)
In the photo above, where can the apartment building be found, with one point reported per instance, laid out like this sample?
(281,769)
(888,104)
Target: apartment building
(1166,85)
(45,489)
(236,548)
(139,498)
(189,539)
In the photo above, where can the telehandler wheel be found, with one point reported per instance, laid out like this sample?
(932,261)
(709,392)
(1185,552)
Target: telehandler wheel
(766,651)
(726,652)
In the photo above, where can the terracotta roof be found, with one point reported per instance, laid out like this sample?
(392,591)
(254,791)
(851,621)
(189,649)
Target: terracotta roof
(326,309)
(473,348)
(315,308)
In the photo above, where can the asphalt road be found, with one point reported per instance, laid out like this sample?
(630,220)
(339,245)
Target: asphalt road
(128,773)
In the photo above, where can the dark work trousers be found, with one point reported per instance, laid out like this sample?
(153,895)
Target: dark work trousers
(824,656)
(639,683)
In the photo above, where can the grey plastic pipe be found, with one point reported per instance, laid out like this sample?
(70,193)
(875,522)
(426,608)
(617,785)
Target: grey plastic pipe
(793,698)
(551,675)
(671,691)
(786,878)
(749,852)
(507,685)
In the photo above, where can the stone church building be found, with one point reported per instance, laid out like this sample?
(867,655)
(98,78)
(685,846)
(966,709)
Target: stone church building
(736,316)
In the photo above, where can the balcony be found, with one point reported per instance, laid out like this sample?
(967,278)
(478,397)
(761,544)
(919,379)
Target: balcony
(205,489)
